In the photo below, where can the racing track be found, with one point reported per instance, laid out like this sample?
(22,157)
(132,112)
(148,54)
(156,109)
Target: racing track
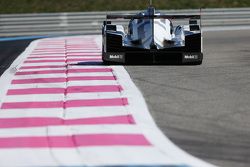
(203,109)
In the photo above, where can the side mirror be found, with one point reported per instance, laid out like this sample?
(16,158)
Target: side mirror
(193,22)
(193,25)
(106,22)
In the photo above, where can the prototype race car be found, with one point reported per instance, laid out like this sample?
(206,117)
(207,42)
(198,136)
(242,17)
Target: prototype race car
(152,38)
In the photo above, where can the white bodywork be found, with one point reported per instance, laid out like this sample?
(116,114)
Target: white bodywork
(162,34)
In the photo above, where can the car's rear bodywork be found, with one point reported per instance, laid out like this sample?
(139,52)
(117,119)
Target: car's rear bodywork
(152,39)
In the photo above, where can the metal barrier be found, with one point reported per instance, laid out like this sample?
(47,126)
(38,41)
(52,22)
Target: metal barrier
(90,22)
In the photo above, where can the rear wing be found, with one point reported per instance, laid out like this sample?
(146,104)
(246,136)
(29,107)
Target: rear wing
(192,18)
(131,16)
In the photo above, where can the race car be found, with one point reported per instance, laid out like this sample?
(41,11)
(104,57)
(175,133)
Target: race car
(152,38)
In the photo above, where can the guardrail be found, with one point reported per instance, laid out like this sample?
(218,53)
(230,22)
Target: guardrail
(90,22)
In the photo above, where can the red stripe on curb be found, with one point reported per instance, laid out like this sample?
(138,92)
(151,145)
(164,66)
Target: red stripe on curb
(48,53)
(92,78)
(47,66)
(84,59)
(66,56)
(86,140)
(41,72)
(35,91)
(38,80)
(90,70)
(67,104)
(83,45)
(96,102)
(50,49)
(101,88)
(86,70)
(61,60)
(45,61)
(59,80)
(70,89)
(44,57)
(27,105)
(50,121)
(83,54)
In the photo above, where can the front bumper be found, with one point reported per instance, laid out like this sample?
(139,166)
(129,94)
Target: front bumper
(153,57)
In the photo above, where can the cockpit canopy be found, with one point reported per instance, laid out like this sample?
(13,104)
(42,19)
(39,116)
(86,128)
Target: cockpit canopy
(150,31)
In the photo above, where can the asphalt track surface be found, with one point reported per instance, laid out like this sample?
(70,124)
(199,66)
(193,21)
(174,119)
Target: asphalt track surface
(9,51)
(203,109)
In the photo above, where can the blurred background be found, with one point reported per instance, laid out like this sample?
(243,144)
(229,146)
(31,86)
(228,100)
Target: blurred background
(41,6)
(46,18)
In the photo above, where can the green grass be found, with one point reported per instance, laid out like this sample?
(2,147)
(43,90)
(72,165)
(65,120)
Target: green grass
(38,6)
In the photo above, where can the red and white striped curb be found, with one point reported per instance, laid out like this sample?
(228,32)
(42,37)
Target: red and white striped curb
(56,112)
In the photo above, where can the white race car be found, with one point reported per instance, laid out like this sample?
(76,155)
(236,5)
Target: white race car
(152,39)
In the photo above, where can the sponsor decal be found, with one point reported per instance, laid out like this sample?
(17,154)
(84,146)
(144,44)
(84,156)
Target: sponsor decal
(189,57)
(116,57)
